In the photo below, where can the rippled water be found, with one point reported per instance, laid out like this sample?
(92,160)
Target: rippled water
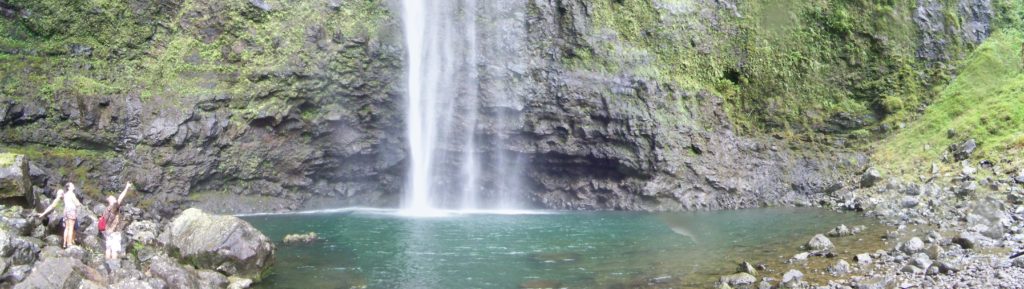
(383,249)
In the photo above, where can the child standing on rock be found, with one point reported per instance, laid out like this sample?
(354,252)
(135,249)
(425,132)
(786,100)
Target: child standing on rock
(71,205)
(111,223)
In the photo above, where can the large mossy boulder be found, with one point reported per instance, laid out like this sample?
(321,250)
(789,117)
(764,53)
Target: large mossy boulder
(14,177)
(223,243)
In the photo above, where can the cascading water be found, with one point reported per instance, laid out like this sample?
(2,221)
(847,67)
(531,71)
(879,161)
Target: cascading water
(453,165)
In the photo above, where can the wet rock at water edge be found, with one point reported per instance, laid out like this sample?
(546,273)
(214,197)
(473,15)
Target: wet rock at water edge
(870,178)
(239,283)
(840,231)
(746,267)
(307,238)
(540,284)
(738,279)
(819,243)
(223,243)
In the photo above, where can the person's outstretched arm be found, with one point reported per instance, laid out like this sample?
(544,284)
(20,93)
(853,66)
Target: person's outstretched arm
(60,195)
(124,193)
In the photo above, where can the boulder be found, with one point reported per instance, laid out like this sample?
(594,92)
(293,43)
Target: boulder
(870,178)
(223,243)
(840,268)
(840,231)
(15,179)
(54,273)
(819,242)
(914,245)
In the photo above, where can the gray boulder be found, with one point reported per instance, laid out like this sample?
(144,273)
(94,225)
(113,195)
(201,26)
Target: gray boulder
(15,178)
(870,178)
(223,243)
(914,245)
(819,242)
(840,268)
(54,273)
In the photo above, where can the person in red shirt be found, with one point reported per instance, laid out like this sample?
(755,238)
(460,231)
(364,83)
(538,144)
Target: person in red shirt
(113,223)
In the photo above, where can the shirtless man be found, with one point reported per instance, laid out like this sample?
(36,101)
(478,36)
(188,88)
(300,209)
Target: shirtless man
(71,205)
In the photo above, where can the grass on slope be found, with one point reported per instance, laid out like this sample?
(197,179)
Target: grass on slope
(985,102)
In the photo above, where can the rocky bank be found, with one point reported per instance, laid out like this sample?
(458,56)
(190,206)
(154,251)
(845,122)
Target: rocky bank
(222,252)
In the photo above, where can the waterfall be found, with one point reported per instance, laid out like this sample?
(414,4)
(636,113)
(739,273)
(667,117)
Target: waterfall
(451,46)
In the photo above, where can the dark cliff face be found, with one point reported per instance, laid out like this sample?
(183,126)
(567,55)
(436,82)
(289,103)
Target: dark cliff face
(239,107)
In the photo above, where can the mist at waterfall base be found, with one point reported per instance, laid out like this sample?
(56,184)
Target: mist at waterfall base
(377,248)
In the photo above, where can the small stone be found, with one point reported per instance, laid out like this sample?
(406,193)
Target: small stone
(745,267)
(801,256)
(840,231)
(968,170)
(912,246)
(738,279)
(934,251)
(792,276)
(966,240)
(909,202)
(874,283)
(911,269)
(921,260)
(306,238)
(967,188)
(840,268)
(819,242)
(862,258)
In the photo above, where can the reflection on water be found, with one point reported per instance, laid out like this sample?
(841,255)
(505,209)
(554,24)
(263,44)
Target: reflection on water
(379,249)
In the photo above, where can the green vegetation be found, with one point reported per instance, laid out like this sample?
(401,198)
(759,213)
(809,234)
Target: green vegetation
(781,66)
(7,159)
(985,102)
(176,54)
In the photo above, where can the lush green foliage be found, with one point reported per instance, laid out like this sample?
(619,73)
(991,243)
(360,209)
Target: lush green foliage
(782,66)
(984,102)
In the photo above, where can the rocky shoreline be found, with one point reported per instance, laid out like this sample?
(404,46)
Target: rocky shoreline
(955,226)
(192,250)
